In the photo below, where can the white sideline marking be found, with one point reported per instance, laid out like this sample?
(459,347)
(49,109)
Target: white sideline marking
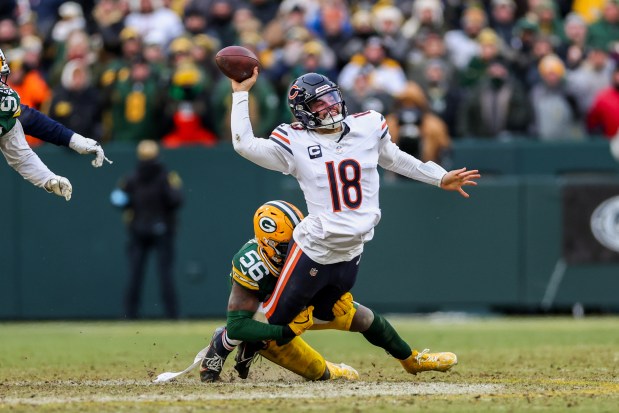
(253,391)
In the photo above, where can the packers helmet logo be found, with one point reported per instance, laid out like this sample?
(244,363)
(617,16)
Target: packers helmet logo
(267,224)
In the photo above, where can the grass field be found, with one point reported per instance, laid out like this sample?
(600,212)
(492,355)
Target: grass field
(505,365)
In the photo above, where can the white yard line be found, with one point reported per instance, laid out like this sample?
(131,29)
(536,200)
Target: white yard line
(251,391)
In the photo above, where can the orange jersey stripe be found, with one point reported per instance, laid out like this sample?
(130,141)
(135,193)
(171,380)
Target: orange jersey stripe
(271,303)
(277,135)
(383,125)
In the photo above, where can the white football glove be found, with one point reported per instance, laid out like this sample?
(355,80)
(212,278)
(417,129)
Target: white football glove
(84,146)
(60,186)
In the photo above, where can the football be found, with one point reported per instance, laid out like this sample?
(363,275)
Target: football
(236,62)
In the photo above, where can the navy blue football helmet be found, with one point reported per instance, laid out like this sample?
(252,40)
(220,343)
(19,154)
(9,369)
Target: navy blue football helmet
(309,88)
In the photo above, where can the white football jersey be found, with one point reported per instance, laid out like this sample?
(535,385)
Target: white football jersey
(337,173)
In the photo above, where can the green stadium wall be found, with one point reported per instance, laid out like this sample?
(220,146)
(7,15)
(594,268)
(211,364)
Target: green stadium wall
(432,251)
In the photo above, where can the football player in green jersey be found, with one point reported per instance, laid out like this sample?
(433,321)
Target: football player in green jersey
(255,269)
(17,119)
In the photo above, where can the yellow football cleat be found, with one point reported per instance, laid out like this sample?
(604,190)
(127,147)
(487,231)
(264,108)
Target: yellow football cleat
(341,372)
(426,361)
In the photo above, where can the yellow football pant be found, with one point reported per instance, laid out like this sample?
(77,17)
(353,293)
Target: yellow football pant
(298,357)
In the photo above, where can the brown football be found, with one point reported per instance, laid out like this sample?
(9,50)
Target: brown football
(236,62)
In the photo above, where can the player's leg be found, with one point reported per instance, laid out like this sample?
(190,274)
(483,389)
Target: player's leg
(300,279)
(218,350)
(378,331)
(300,358)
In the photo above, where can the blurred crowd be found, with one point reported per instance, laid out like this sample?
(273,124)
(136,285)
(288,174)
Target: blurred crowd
(127,70)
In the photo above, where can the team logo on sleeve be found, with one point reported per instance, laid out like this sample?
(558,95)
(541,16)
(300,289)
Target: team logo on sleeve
(314,151)
(267,224)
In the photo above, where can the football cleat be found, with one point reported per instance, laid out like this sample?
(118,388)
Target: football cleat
(245,355)
(341,372)
(426,361)
(213,362)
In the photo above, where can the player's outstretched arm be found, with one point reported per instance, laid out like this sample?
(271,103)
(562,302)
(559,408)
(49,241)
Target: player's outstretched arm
(20,156)
(37,124)
(456,179)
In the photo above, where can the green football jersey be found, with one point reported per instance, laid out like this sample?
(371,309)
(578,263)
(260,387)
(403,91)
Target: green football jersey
(10,109)
(252,270)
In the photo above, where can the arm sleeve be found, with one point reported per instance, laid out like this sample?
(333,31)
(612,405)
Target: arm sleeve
(262,152)
(241,326)
(40,126)
(20,156)
(393,159)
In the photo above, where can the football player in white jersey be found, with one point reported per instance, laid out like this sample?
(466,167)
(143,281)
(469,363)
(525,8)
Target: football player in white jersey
(335,159)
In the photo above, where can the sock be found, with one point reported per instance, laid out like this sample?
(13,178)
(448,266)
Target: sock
(383,335)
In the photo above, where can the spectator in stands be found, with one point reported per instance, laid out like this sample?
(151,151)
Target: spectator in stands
(219,22)
(503,19)
(555,112)
(148,16)
(136,104)
(521,53)
(77,46)
(386,73)
(426,17)
(71,19)
(387,22)
(76,103)
(543,46)
(186,107)
(462,43)
(442,93)
(9,34)
(591,77)
(334,30)
(363,96)
(415,129)
(490,48)
(605,31)
(602,118)
(497,108)
(109,17)
(572,50)
(432,49)
(548,20)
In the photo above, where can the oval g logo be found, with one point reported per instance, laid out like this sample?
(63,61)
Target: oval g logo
(267,224)
(605,223)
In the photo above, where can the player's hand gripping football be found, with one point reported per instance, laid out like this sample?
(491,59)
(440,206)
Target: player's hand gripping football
(456,179)
(303,321)
(246,84)
(84,146)
(343,305)
(60,186)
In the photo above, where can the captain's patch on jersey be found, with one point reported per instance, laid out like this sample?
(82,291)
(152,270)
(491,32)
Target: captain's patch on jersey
(314,151)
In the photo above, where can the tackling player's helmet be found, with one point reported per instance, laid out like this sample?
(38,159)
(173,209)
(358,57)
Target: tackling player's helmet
(5,71)
(309,88)
(273,225)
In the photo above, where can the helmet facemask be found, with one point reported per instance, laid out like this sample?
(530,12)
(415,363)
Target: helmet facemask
(5,71)
(328,110)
